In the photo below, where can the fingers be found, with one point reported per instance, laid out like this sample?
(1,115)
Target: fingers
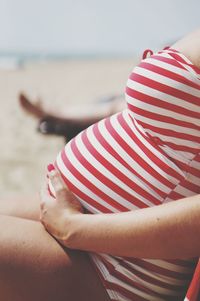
(57,182)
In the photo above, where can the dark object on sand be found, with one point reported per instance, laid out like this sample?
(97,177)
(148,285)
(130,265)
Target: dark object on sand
(48,124)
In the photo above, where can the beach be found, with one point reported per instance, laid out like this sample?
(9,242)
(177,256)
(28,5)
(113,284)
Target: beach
(25,153)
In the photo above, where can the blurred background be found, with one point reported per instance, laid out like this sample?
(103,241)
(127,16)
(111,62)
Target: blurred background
(69,52)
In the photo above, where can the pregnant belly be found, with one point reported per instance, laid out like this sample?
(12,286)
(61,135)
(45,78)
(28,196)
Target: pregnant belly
(113,167)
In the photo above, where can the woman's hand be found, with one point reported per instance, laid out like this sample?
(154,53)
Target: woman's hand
(170,230)
(56,212)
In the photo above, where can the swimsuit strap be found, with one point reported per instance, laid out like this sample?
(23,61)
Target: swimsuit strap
(146,52)
(178,56)
(150,52)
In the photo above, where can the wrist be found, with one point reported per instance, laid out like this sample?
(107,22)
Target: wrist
(71,225)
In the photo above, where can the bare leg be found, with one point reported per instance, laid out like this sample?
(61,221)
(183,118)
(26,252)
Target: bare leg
(33,266)
(70,120)
(24,207)
(75,113)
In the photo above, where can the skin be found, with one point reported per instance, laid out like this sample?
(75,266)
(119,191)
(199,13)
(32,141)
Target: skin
(165,231)
(34,265)
(79,114)
(190,47)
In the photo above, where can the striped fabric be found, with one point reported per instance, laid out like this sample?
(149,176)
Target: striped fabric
(144,156)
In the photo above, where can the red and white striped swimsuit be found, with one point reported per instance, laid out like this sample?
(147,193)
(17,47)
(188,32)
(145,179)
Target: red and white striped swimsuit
(142,157)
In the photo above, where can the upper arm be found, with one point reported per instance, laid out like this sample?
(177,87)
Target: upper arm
(190,47)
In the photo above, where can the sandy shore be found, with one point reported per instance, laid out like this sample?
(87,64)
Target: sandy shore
(26,153)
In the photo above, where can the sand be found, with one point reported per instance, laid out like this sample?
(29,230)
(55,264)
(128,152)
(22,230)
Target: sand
(25,153)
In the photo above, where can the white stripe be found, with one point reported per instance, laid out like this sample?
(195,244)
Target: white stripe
(133,102)
(153,287)
(157,275)
(195,164)
(136,291)
(168,138)
(107,173)
(185,65)
(119,297)
(93,179)
(104,271)
(131,162)
(162,157)
(65,171)
(172,68)
(142,88)
(184,157)
(168,51)
(184,191)
(166,113)
(116,125)
(170,266)
(172,83)
(193,179)
(100,265)
(189,72)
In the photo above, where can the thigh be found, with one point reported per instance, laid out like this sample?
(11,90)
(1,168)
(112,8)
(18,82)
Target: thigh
(21,206)
(33,266)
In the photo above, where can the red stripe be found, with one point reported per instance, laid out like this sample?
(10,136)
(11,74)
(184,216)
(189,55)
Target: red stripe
(127,280)
(169,49)
(193,171)
(138,158)
(130,198)
(165,88)
(118,157)
(76,190)
(166,168)
(164,131)
(131,295)
(181,148)
(169,61)
(158,141)
(150,279)
(145,98)
(155,143)
(90,185)
(142,288)
(192,187)
(160,270)
(184,263)
(175,196)
(180,59)
(169,74)
(197,158)
(124,292)
(107,182)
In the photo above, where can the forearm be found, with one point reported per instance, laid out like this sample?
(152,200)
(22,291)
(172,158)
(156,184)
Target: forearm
(166,231)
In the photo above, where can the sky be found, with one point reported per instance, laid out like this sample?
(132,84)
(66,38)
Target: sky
(112,27)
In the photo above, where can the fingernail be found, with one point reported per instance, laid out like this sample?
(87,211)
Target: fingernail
(50,167)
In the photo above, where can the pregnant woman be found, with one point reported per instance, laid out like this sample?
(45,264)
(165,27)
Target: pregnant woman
(126,172)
